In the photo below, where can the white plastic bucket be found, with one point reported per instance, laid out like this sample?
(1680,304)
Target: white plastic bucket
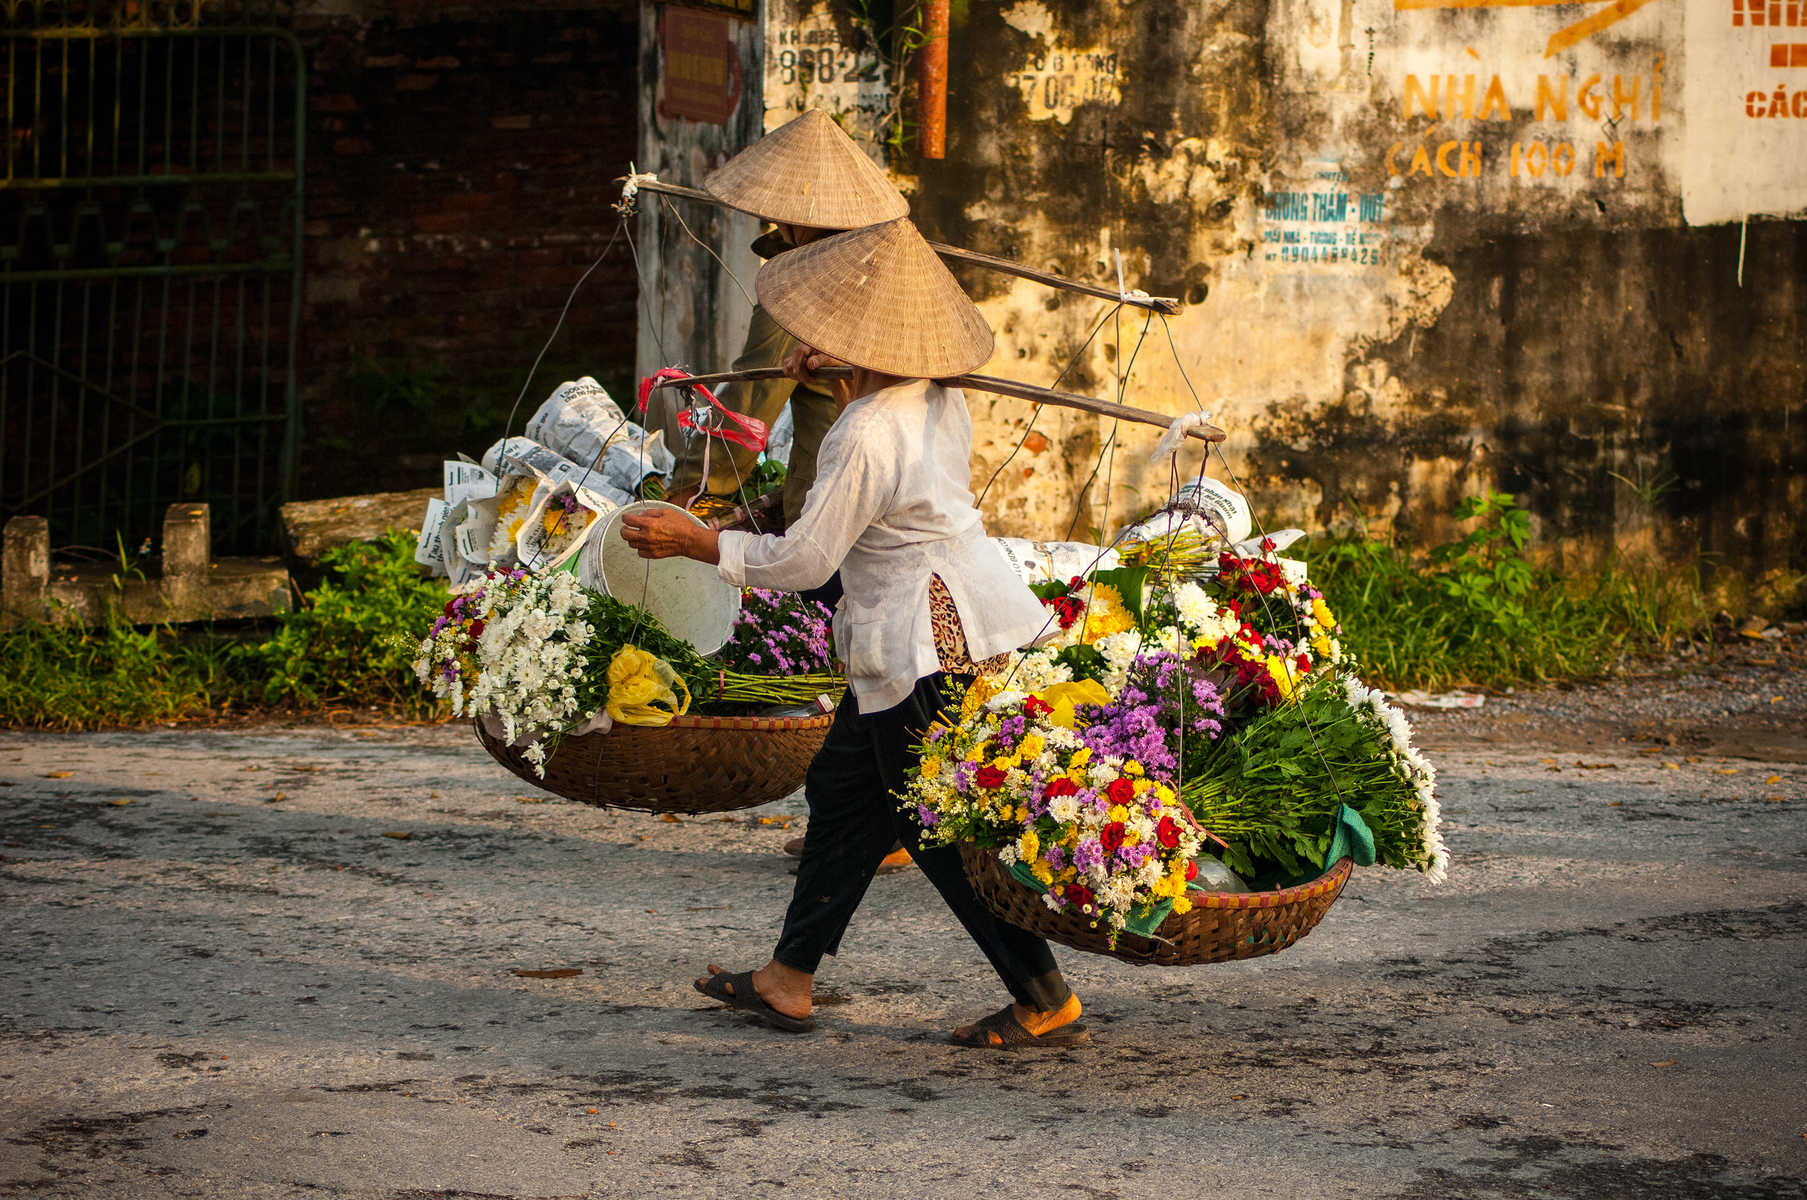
(687,596)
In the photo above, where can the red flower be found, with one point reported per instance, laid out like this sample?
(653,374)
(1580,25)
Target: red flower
(1034,707)
(476,629)
(1077,894)
(1303,662)
(1167,833)
(1268,544)
(989,777)
(1111,836)
(1121,791)
(1191,870)
(1060,787)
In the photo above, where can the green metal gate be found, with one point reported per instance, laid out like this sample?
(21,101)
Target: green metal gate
(150,265)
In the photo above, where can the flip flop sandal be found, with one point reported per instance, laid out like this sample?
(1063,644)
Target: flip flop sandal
(738,992)
(1014,1035)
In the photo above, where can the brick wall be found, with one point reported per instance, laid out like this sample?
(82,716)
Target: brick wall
(460,162)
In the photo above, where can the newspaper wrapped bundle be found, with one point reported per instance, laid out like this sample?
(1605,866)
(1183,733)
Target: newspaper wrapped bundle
(579,447)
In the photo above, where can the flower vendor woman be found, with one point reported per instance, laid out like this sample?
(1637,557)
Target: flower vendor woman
(926,596)
(808,179)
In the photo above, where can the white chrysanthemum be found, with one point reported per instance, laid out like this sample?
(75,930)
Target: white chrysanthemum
(1064,808)
(1004,700)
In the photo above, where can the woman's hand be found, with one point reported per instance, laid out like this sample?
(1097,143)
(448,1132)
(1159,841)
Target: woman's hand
(802,363)
(660,533)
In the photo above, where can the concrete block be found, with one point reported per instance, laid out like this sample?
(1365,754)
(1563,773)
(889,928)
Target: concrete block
(24,570)
(187,555)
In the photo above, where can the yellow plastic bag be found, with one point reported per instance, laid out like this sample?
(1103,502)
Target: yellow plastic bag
(644,690)
(1063,698)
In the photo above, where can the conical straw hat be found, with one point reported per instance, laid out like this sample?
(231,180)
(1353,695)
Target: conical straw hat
(807,172)
(878,298)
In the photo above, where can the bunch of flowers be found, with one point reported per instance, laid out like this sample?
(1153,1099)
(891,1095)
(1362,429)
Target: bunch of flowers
(512,507)
(1217,698)
(563,522)
(1095,831)
(514,645)
(1272,788)
(779,633)
(1165,699)
(542,654)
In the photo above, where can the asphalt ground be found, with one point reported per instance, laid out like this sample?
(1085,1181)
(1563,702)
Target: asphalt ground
(283,963)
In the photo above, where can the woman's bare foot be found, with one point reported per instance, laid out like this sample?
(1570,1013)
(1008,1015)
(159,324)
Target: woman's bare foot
(785,989)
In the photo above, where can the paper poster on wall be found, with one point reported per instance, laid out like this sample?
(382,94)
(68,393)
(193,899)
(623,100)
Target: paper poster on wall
(1323,223)
(700,74)
(1746,149)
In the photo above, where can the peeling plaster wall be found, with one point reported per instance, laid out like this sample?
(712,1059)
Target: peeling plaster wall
(1425,248)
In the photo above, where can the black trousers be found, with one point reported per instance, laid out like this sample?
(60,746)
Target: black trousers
(854,821)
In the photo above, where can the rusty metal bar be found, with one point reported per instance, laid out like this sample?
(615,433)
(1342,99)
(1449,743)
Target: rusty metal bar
(931,81)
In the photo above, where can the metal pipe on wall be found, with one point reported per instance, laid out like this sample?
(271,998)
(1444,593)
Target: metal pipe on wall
(931,80)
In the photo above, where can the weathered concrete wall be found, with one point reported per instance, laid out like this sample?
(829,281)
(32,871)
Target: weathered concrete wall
(1426,248)
(700,103)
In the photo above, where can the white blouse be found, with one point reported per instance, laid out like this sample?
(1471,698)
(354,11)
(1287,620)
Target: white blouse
(891,506)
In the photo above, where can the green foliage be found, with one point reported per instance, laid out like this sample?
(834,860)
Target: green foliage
(62,676)
(1477,612)
(1273,787)
(353,638)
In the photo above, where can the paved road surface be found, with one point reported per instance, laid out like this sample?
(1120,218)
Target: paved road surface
(223,978)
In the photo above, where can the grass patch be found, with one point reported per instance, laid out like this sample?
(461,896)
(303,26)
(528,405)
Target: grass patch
(1476,612)
(351,640)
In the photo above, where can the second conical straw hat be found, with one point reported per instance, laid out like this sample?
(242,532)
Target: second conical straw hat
(878,298)
(807,172)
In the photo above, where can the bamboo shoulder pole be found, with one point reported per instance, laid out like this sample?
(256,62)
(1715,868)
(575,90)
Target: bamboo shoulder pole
(977,383)
(1166,305)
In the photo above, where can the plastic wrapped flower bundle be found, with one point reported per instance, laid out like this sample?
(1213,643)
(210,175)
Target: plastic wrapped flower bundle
(542,655)
(1227,692)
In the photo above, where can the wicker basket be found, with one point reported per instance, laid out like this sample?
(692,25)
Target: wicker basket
(1221,926)
(693,765)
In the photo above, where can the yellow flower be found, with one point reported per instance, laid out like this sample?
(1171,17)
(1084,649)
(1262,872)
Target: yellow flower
(1320,612)
(975,698)
(1041,871)
(1080,757)
(1284,674)
(1029,846)
(1105,614)
(1031,746)
(1131,767)
(931,768)
(1182,905)
(1163,793)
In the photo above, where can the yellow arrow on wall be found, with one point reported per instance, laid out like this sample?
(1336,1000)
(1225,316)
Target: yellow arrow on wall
(1562,39)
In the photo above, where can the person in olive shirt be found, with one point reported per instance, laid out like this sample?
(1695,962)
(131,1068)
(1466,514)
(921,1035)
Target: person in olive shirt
(808,179)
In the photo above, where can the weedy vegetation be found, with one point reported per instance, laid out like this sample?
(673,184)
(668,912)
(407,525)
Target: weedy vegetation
(1477,612)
